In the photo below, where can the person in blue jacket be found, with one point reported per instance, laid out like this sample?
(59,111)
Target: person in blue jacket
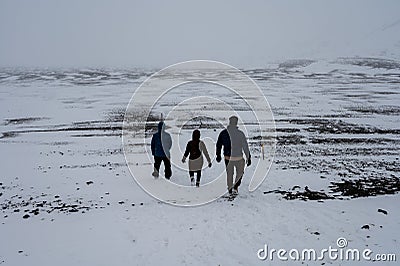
(235,144)
(161,144)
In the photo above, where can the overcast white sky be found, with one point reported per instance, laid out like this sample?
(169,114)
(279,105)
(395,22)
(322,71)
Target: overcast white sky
(115,33)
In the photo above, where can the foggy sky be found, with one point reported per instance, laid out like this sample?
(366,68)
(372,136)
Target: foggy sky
(49,33)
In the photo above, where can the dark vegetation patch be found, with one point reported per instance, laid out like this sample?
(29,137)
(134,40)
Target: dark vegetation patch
(93,165)
(116,115)
(291,140)
(363,187)
(371,62)
(366,187)
(63,128)
(73,76)
(22,120)
(43,203)
(295,63)
(116,134)
(335,151)
(29,206)
(305,195)
(343,167)
(11,134)
(333,126)
(363,141)
(287,130)
(200,122)
(381,110)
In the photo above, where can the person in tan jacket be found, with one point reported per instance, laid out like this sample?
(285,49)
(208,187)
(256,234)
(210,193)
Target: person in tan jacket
(235,144)
(195,149)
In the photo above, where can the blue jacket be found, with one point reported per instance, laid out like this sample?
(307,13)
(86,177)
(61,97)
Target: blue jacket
(234,142)
(161,142)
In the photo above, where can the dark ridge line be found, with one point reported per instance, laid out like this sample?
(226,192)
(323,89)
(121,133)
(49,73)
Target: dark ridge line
(16,132)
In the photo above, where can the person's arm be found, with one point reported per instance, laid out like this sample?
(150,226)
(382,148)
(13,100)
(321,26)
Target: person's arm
(246,150)
(168,142)
(205,151)
(187,150)
(219,147)
(153,145)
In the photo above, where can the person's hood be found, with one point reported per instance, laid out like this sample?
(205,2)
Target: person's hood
(196,135)
(161,126)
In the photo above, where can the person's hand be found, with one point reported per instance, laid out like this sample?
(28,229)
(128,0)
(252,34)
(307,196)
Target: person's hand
(218,159)
(183,160)
(249,161)
(209,165)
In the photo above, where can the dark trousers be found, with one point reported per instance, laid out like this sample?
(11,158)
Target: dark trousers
(167,166)
(198,173)
(230,168)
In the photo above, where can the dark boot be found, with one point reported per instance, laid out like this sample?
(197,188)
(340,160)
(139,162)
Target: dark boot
(235,191)
(155,173)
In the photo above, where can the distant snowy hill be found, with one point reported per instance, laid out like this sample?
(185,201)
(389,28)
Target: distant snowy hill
(384,41)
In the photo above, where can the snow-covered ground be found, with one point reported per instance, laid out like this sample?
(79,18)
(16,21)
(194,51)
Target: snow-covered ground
(63,169)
